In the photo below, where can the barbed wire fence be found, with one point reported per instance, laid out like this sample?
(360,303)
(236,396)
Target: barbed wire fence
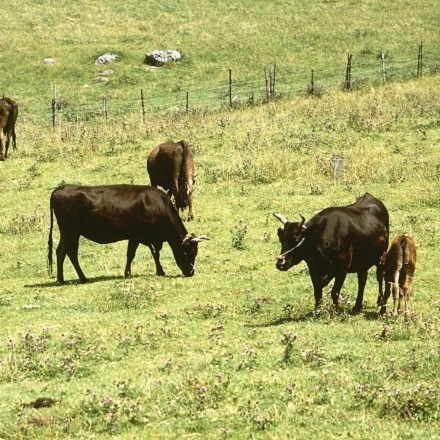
(238,93)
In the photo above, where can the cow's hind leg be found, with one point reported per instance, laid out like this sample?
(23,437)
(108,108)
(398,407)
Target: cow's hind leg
(337,286)
(382,303)
(8,140)
(72,245)
(131,252)
(61,255)
(2,148)
(362,281)
(155,251)
(396,292)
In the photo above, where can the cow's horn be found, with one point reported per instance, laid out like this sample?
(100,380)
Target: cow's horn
(281,218)
(193,239)
(199,239)
(303,220)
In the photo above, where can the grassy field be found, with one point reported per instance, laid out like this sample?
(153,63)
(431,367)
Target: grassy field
(235,351)
(246,36)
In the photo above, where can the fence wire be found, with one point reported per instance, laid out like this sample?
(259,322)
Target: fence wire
(233,94)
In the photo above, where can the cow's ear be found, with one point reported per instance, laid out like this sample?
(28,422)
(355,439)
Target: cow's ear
(188,239)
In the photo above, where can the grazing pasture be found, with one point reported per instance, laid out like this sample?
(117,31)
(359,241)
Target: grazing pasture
(234,351)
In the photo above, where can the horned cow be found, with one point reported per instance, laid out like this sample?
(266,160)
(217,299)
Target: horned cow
(337,241)
(111,213)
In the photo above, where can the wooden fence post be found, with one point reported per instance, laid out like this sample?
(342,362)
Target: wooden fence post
(187,102)
(383,69)
(230,87)
(266,80)
(272,84)
(312,84)
(54,107)
(348,73)
(104,107)
(269,77)
(420,60)
(142,105)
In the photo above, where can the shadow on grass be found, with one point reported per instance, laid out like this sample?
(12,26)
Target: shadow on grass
(95,280)
(319,317)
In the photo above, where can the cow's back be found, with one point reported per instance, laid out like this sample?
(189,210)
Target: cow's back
(164,163)
(359,232)
(111,213)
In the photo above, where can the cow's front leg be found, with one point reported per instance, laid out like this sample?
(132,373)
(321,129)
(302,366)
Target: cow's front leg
(362,281)
(131,252)
(155,251)
(337,287)
(317,290)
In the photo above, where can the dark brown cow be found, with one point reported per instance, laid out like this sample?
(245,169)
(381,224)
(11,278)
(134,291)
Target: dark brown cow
(110,213)
(171,166)
(397,267)
(8,118)
(337,241)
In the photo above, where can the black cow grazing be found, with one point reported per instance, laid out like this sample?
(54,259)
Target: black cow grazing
(8,118)
(337,241)
(171,166)
(397,267)
(110,213)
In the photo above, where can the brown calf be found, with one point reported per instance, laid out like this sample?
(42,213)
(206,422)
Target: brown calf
(397,267)
(8,117)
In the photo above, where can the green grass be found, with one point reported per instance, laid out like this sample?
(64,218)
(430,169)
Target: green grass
(235,351)
(245,36)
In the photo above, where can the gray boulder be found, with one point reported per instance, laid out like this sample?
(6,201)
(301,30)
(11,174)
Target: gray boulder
(105,59)
(161,57)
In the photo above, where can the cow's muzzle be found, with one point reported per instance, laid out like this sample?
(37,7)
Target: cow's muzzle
(281,263)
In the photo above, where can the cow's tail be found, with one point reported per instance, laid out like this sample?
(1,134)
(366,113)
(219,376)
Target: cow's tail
(50,241)
(185,147)
(405,251)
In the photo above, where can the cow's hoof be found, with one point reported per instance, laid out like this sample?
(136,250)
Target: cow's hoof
(356,310)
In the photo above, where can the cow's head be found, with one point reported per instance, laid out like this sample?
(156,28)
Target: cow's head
(291,238)
(188,252)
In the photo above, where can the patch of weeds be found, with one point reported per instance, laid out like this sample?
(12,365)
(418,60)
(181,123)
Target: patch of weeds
(419,402)
(129,296)
(195,395)
(288,342)
(42,356)
(111,414)
(313,357)
(249,359)
(25,222)
(323,391)
(257,305)
(137,336)
(254,412)
(208,311)
(238,233)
